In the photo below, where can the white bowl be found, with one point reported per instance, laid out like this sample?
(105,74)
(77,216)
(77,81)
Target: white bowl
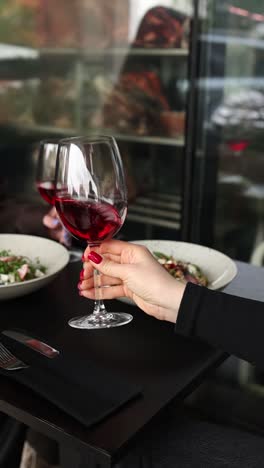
(218,267)
(51,254)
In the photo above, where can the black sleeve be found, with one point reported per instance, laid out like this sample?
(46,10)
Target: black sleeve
(230,323)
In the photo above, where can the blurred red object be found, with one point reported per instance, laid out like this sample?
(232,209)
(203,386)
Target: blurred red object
(173,123)
(238,146)
(146,81)
(135,103)
(163,27)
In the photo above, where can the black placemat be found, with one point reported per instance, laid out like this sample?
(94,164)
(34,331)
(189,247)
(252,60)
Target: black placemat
(80,388)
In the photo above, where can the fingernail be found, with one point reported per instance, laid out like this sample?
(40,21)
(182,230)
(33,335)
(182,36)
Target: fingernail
(84,258)
(82,275)
(79,285)
(95,257)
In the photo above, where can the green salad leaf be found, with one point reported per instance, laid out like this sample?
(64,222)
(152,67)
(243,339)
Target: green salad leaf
(18,268)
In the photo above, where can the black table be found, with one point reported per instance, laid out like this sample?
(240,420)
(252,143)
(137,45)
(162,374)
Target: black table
(146,351)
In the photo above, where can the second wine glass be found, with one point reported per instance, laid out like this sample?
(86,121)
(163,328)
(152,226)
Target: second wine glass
(91,201)
(46,164)
(45,183)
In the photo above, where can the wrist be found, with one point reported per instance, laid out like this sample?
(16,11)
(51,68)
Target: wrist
(171,315)
(175,301)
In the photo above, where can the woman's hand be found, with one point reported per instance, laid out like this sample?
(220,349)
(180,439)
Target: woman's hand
(131,270)
(55,228)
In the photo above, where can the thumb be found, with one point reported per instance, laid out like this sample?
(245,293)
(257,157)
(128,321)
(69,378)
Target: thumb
(106,266)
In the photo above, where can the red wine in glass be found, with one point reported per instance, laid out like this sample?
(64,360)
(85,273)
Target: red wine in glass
(46,164)
(47,191)
(92,221)
(91,201)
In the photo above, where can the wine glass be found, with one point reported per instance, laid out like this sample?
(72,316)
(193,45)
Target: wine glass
(45,180)
(91,201)
(45,176)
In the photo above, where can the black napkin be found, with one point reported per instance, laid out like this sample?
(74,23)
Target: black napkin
(80,388)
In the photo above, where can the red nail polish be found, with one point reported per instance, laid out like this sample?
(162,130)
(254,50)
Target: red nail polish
(95,257)
(82,275)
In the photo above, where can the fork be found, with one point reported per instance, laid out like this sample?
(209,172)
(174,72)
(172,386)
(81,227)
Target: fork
(8,361)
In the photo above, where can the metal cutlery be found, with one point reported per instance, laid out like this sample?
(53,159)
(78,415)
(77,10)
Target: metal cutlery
(8,361)
(33,343)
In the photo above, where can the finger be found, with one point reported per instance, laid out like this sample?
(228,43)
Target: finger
(86,284)
(105,281)
(107,293)
(114,258)
(88,270)
(119,248)
(108,267)
(112,246)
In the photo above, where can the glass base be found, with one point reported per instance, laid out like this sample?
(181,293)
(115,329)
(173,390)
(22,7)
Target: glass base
(97,322)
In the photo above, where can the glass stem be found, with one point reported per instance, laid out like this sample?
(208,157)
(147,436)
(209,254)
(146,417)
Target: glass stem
(99,312)
(99,307)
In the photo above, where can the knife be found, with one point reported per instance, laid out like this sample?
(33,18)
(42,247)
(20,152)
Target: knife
(33,343)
